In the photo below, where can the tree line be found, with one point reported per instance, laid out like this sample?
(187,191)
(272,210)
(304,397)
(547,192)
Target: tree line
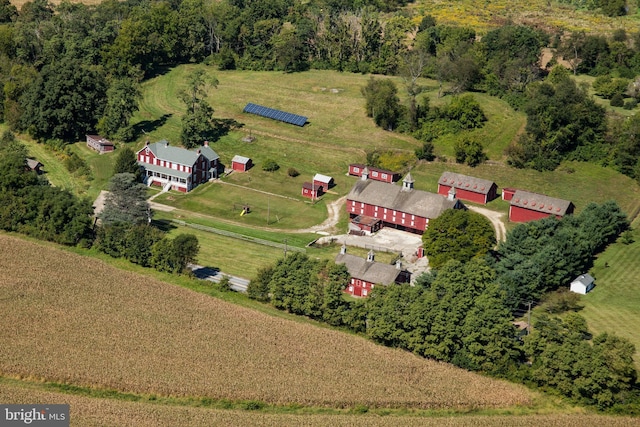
(461,312)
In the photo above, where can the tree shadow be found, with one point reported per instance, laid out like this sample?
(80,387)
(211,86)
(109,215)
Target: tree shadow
(205,272)
(147,126)
(165,225)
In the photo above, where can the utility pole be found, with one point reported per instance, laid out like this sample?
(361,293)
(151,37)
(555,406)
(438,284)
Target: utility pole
(285,248)
(529,319)
(268,208)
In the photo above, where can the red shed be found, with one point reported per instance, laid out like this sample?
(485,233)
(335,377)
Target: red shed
(323,181)
(311,190)
(526,206)
(241,163)
(467,187)
(507,193)
(376,174)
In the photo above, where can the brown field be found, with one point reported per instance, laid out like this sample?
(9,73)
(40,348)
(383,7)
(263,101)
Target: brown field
(90,412)
(75,320)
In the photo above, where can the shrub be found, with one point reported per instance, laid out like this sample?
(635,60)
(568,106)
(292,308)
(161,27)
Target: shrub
(631,104)
(293,172)
(469,151)
(270,166)
(617,100)
(425,152)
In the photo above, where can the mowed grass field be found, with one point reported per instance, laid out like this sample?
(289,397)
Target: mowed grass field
(98,327)
(95,412)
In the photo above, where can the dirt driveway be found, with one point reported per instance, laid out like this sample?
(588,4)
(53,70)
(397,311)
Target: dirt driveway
(496,221)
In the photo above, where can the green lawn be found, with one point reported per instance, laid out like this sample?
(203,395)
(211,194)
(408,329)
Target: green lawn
(614,304)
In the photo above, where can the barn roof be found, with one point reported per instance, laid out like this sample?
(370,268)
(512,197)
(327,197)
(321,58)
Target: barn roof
(163,151)
(371,271)
(361,166)
(101,140)
(309,186)
(322,178)
(464,182)
(33,164)
(540,203)
(390,196)
(240,159)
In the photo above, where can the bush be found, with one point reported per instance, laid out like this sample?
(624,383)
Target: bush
(425,152)
(270,166)
(617,100)
(631,104)
(469,151)
(293,172)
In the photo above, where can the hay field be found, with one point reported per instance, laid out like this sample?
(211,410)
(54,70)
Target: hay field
(76,320)
(95,412)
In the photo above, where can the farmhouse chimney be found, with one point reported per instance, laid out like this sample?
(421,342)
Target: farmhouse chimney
(206,143)
(343,249)
(365,174)
(370,256)
(407,182)
(146,143)
(451,194)
(166,143)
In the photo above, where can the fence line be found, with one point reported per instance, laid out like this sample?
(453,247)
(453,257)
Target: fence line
(240,236)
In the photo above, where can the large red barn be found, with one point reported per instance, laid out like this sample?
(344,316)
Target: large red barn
(467,187)
(526,206)
(376,174)
(367,273)
(399,207)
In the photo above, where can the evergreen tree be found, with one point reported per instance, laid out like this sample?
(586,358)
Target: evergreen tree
(126,201)
(126,162)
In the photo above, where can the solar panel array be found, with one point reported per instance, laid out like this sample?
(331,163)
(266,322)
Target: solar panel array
(270,113)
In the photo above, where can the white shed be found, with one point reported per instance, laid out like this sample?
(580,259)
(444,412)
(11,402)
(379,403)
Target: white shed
(582,284)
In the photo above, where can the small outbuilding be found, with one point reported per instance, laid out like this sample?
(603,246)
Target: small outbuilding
(582,284)
(100,144)
(525,206)
(241,163)
(366,273)
(34,165)
(310,190)
(507,194)
(324,181)
(356,169)
(467,188)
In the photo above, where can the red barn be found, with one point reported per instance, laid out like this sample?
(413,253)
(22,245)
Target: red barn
(365,274)
(526,206)
(400,207)
(241,163)
(100,144)
(176,168)
(373,173)
(311,190)
(467,187)
(507,193)
(323,181)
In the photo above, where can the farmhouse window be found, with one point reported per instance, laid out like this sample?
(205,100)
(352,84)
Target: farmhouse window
(362,205)
(402,214)
(356,170)
(413,224)
(374,173)
(361,211)
(364,293)
(403,221)
(351,289)
(385,210)
(413,217)
(376,209)
(384,176)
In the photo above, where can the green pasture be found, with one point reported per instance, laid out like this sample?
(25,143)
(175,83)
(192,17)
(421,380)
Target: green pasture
(614,304)
(266,210)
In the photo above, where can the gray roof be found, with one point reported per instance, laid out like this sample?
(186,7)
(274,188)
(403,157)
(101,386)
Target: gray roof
(540,203)
(166,171)
(163,151)
(371,271)
(322,178)
(240,159)
(33,164)
(465,182)
(585,279)
(390,196)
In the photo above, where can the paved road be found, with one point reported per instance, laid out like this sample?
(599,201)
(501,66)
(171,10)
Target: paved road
(238,284)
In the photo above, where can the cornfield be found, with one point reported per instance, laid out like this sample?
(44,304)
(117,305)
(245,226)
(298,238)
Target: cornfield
(75,320)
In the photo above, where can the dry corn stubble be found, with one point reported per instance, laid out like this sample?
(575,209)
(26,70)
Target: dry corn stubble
(76,320)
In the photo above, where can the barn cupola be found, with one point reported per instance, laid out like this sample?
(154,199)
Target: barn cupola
(365,174)
(451,194)
(407,182)
(206,143)
(370,256)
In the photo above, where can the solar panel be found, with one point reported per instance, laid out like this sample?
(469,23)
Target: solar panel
(270,113)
